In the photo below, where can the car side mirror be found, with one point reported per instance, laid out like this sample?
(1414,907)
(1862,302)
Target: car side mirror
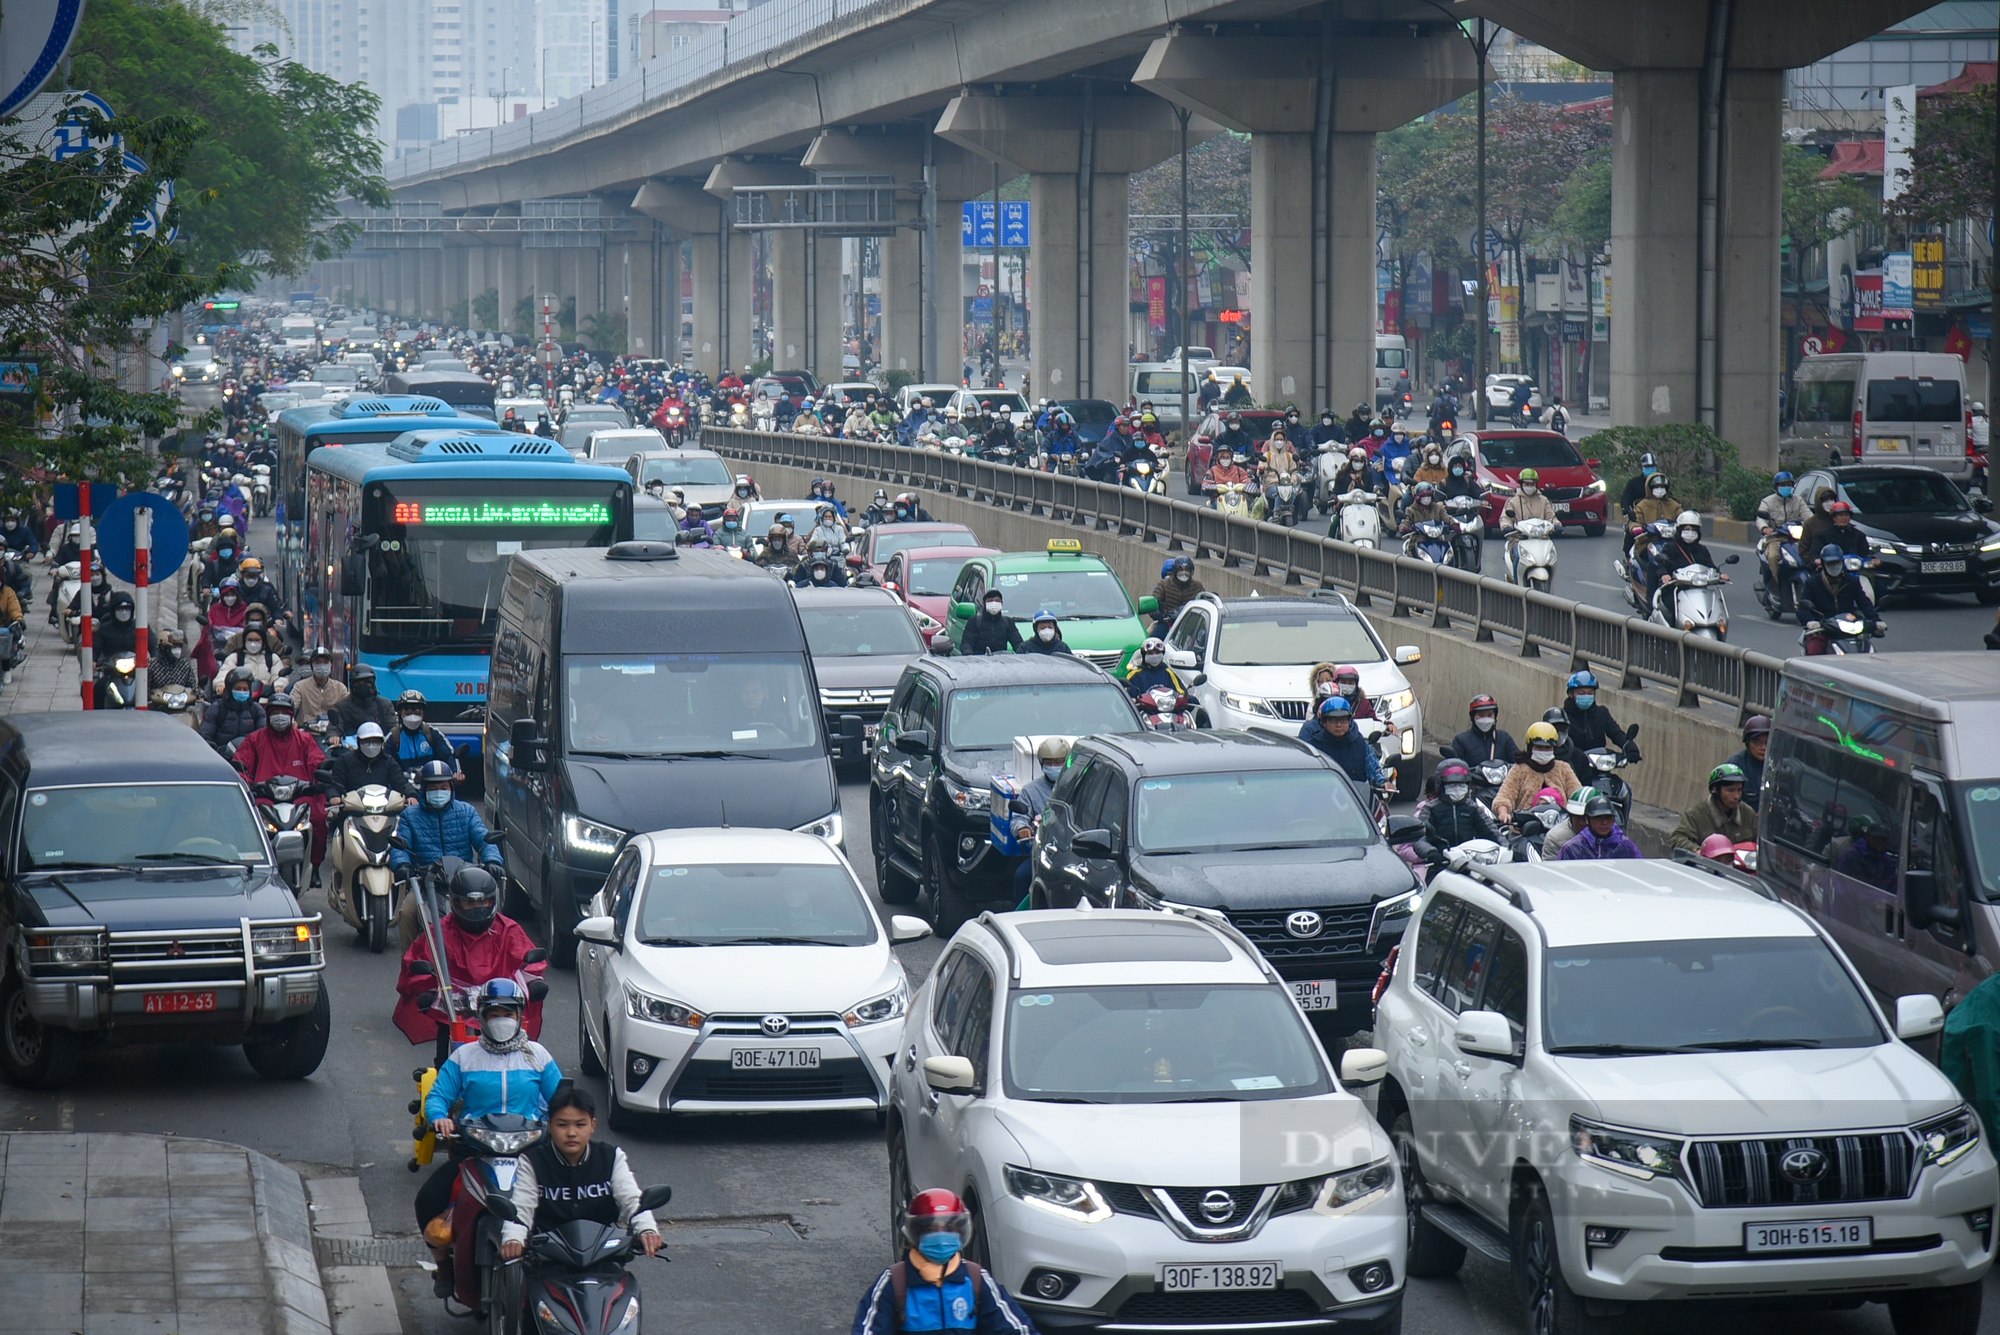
(1363,1066)
(353,575)
(603,931)
(1406,830)
(652,1198)
(535,956)
(1092,844)
(1182,658)
(903,929)
(950,1075)
(1921,902)
(916,742)
(1407,654)
(1918,1016)
(422,969)
(1193,679)
(1594,463)
(1484,1034)
(1148,605)
(531,750)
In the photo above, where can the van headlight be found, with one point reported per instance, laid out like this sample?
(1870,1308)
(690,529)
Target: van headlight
(827,827)
(587,836)
(1946,1139)
(1072,1198)
(1354,1188)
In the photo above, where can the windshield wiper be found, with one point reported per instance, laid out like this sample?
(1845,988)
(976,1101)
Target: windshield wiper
(1750,1044)
(461,646)
(775,941)
(72,866)
(706,755)
(198,859)
(1611,1050)
(617,755)
(671,941)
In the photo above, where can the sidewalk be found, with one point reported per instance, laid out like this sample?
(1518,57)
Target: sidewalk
(124,1234)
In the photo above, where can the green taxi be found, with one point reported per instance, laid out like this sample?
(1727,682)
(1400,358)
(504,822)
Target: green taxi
(1095,613)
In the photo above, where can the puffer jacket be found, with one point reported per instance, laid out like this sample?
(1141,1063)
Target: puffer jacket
(227,720)
(455,832)
(1709,818)
(1587,847)
(494,1082)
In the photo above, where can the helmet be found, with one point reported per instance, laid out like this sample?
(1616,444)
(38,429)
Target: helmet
(1840,508)
(1579,801)
(370,731)
(434,771)
(1832,554)
(1599,806)
(1687,519)
(1425,491)
(1480,702)
(1454,771)
(413,696)
(936,1210)
(1646,462)
(1659,482)
(1356,454)
(1153,645)
(1541,732)
(1530,475)
(1782,478)
(240,676)
(1585,680)
(1724,773)
(499,993)
(1051,749)
(1182,563)
(1336,706)
(250,568)
(1757,725)
(1556,719)
(475,898)
(279,700)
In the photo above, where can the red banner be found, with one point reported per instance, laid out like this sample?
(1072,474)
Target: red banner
(1868,302)
(1156,303)
(1959,342)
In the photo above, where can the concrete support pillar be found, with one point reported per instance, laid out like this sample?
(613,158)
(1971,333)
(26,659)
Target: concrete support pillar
(788,300)
(454,263)
(637,284)
(507,281)
(409,295)
(826,318)
(902,294)
(1077,325)
(432,268)
(1350,332)
(805,289)
(948,361)
(1281,314)
(705,257)
(739,348)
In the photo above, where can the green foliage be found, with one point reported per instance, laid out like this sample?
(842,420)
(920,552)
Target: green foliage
(1815,211)
(1692,456)
(524,316)
(1742,488)
(605,331)
(1952,164)
(892,381)
(486,309)
(762,366)
(1583,216)
(278,145)
(1218,183)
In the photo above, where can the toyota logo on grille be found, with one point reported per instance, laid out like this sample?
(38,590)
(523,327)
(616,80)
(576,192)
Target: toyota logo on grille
(1218,1206)
(776,1025)
(1803,1165)
(1305,923)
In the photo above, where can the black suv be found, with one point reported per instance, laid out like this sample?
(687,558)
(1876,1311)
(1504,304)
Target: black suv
(1264,829)
(949,728)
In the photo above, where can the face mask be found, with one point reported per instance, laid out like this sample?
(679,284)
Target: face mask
(1046,634)
(993,607)
(1826,507)
(730,524)
(176,652)
(1659,491)
(122,614)
(1456,792)
(413,721)
(239,696)
(1052,772)
(229,600)
(1541,755)
(371,749)
(1784,491)
(281,722)
(1460,472)
(1690,535)
(939,1247)
(321,671)
(437,799)
(1154,660)
(1585,701)
(364,691)
(227,552)
(1483,723)
(253,647)
(502,1028)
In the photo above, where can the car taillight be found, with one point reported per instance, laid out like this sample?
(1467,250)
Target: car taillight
(1857,433)
(1970,450)
(1388,972)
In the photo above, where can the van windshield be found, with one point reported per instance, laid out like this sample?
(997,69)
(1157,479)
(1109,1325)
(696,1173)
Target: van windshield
(1982,826)
(1919,400)
(1825,401)
(640,705)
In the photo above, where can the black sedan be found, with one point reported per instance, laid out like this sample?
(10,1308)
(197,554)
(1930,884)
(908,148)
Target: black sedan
(1930,536)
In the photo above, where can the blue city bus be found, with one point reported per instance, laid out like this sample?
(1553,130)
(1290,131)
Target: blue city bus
(406,551)
(353,419)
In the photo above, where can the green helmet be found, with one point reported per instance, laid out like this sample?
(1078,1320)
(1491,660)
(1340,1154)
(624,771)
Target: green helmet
(1725,773)
(1580,799)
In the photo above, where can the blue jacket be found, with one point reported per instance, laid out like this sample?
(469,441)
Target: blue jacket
(494,1082)
(1143,679)
(455,832)
(1587,847)
(1352,753)
(952,1305)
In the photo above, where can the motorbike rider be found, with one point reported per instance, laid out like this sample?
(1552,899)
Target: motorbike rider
(1233,437)
(731,533)
(503,1070)
(819,570)
(1176,589)
(1756,744)
(1590,724)
(256,589)
(1835,526)
(1572,823)
(170,665)
(1659,503)
(253,651)
(935,1287)
(1279,458)
(440,826)
(777,553)
(1430,465)
(1723,813)
(1426,507)
(1777,512)
(1051,759)
(1527,502)
(1457,816)
(1485,739)
(1686,549)
(17,535)
(116,632)
(827,528)
(1332,731)
(367,762)
(1834,590)
(745,490)
(1226,472)
(1357,474)
(363,704)
(1343,680)
(1602,838)
(566,1177)
(281,748)
(1535,769)
(316,691)
(235,713)
(991,631)
(1637,488)
(1045,635)
(909,510)
(1460,480)
(1149,670)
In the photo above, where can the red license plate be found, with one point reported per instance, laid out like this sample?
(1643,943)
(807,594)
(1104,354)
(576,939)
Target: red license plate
(178,1003)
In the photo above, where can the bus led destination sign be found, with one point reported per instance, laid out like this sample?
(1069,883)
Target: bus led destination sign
(469,512)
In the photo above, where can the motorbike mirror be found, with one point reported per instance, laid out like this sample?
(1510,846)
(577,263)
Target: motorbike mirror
(652,1198)
(398,841)
(1731,559)
(538,989)
(426,1000)
(502,1207)
(1406,830)
(535,956)
(423,969)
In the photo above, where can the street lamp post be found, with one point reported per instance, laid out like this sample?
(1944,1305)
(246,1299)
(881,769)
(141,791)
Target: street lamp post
(1480,46)
(1181,274)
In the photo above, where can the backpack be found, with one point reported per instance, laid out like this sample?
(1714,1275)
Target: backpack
(899,1284)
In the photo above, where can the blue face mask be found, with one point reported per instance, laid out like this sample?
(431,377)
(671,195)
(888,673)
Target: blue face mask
(239,696)
(1052,772)
(1784,491)
(939,1247)
(437,799)
(1585,701)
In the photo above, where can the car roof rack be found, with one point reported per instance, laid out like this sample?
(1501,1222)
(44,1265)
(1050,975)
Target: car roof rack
(1724,871)
(1497,882)
(991,924)
(1220,922)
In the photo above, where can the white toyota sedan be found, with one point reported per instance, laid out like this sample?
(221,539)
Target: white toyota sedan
(736,970)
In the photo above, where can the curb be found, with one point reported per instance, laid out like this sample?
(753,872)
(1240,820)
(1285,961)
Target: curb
(284,1225)
(1729,530)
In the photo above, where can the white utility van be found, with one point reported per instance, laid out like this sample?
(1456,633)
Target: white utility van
(1881,408)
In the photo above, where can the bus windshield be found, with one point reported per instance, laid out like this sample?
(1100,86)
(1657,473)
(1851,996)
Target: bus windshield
(436,571)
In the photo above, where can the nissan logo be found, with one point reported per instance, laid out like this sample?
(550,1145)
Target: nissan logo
(776,1025)
(1218,1206)
(1803,1165)
(1303,924)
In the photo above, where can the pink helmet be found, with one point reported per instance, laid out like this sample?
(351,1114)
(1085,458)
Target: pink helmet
(1719,847)
(1547,796)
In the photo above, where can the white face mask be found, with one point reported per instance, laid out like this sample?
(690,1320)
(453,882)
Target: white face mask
(993,607)
(1455,792)
(413,721)
(371,749)
(1045,634)
(1484,723)
(321,671)
(1690,535)
(1154,660)
(502,1028)
(1541,755)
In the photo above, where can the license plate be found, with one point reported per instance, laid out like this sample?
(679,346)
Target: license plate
(1562,507)
(870,731)
(1209,1277)
(179,1003)
(1888,443)
(773,1059)
(1809,1235)
(1315,995)
(503,1173)
(1943,567)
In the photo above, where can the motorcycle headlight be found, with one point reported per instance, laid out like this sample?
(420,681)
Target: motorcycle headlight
(1397,703)
(1355,1188)
(885,1007)
(1595,489)
(1633,1153)
(502,1142)
(628,1323)
(1072,1198)
(1949,1138)
(1247,704)
(660,1010)
(587,836)
(827,827)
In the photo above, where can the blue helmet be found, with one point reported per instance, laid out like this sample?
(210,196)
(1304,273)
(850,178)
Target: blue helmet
(1782,478)
(1044,615)
(1336,706)
(1585,680)
(1833,554)
(502,993)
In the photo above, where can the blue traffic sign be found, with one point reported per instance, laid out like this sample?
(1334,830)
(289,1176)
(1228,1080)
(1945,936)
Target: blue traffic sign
(976,224)
(65,499)
(116,541)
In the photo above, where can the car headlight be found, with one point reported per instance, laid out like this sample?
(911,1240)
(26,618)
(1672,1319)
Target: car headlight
(275,942)
(660,1010)
(827,827)
(964,798)
(1247,704)
(1633,1153)
(1354,1188)
(1946,1139)
(885,1007)
(1992,544)
(1070,1197)
(1877,545)
(65,950)
(1595,489)
(587,836)
(1397,703)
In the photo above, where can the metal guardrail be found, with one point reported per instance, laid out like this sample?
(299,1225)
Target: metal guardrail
(1636,651)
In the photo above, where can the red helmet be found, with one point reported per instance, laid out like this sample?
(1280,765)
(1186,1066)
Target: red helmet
(1480,702)
(1347,673)
(1719,847)
(936,1210)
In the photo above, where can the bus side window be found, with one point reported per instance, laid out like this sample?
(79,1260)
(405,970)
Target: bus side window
(1934,847)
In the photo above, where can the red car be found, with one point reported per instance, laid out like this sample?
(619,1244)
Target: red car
(923,578)
(883,541)
(1567,478)
(1257,424)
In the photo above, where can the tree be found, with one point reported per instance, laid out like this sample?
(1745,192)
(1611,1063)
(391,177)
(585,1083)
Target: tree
(279,145)
(1583,215)
(486,309)
(1952,164)
(605,331)
(1218,183)
(1815,211)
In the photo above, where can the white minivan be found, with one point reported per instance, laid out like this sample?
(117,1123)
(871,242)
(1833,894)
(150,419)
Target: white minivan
(1392,358)
(1882,407)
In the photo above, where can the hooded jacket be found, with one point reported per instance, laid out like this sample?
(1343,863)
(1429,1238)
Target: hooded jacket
(1587,847)
(1353,753)
(473,960)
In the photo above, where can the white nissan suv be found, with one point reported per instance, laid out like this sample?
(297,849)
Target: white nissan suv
(1642,1080)
(1145,1129)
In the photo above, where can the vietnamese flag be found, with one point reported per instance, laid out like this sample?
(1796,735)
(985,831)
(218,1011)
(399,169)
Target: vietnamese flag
(1959,342)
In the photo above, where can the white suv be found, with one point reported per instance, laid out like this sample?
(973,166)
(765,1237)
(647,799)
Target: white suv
(1146,1130)
(1646,1080)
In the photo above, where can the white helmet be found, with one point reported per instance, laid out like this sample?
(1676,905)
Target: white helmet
(1687,519)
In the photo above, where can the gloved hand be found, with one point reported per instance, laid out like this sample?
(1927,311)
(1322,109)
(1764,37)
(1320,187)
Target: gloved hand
(1881,628)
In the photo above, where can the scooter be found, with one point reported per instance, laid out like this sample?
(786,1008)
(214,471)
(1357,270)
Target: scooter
(1487,776)
(483,1282)
(1165,709)
(1691,600)
(179,702)
(676,430)
(1468,545)
(260,489)
(115,687)
(1144,475)
(1631,568)
(1847,634)
(1431,542)
(1232,498)
(1326,468)
(1533,563)
(281,801)
(1778,590)
(1282,498)
(360,884)
(1604,764)
(1360,518)
(69,578)
(580,1272)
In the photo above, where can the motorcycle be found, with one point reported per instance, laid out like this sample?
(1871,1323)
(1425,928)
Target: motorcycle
(1778,590)
(114,684)
(1144,475)
(1233,498)
(1165,709)
(1326,468)
(260,489)
(1691,600)
(180,702)
(281,801)
(360,883)
(1847,634)
(1534,554)
(1469,543)
(1284,501)
(1431,542)
(676,429)
(483,1282)
(1604,763)
(1631,568)
(1360,518)
(580,1271)
(69,579)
